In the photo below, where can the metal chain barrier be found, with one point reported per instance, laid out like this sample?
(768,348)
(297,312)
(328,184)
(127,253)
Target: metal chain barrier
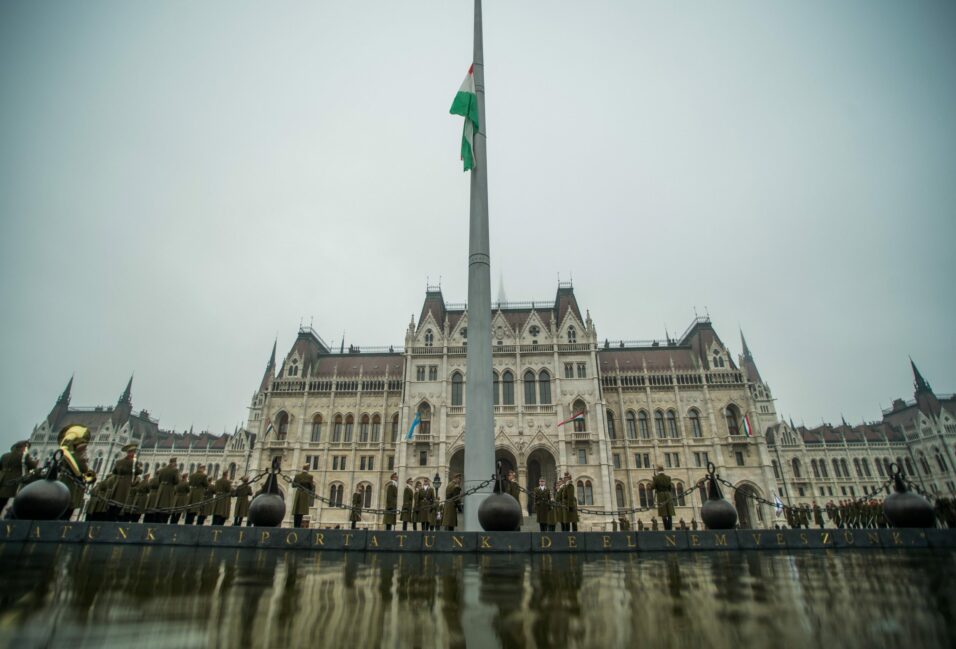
(614,512)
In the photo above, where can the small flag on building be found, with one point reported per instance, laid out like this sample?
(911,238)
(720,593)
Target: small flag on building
(415,422)
(747,428)
(576,417)
(778,503)
(466,105)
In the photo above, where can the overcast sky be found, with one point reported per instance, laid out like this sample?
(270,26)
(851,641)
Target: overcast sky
(182,182)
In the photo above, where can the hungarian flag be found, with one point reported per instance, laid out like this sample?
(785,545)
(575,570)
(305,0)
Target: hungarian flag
(576,417)
(747,426)
(466,105)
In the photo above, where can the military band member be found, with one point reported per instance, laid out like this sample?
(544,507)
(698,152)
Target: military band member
(408,505)
(452,505)
(428,505)
(75,484)
(223,505)
(417,505)
(355,515)
(391,502)
(304,487)
(168,478)
(242,493)
(180,498)
(198,482)
(662,492)
(542,505)
(14,466)
(125,469)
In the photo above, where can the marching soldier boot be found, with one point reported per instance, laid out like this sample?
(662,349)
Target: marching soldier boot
(180,498)
(391,502)
(14,466)
(168,478)
(222,507)
(542,505)
(304,487)
(408,504)
(242,494)
(451,506)
(662,492)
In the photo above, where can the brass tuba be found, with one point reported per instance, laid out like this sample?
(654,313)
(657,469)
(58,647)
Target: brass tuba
(71,438)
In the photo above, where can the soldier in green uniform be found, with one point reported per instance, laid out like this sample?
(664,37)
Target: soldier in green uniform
(542,505)
(452,504)
(14,466)
(242,494)
(428,505)
(151,514)
(125,469)
(223,505)
(662,486)
(168,478)
(417,507)
(140,490)
(180,498)
(560,504)
(198,482)
(208,503)
(818,515)
(97,507)
(304,487)
(355,515)
(408,505)
(391,502)
(571,503)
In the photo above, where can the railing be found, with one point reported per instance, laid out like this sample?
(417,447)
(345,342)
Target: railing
(427,351)
(574,347)
(503,349)
(310,330)
(536,349)
(581,436)
(456,410)
(459,350)
(693,323)
(540,409)
(505,410)
(423,439)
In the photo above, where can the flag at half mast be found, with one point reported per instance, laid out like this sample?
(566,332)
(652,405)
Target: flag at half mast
(466,105)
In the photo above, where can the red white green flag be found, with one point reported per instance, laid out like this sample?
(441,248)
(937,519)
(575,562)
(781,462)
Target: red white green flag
(466,105)
(578,416)
(747,428)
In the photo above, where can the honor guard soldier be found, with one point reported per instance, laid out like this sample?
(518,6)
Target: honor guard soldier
(355,515)
(428,505)
(74,466)
(208,503)
(242,493)
(560,513)
(151,514)
(542,505)
(168,478)
(571,502)
(97,506)
(125,469)
(198,482)
(180,498)
(140,491)
(223,506)
(408,505)
(14,466)
(417,505)
(391,502)
(514,490)
(662,492)
(304,487)
(452,504)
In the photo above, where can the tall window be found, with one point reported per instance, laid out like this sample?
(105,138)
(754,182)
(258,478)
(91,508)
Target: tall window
(732,414)
(611,432)
(631,425)
(495,388)
(317,428)
(395,428)
(846,472)
(856,467)
(580,425)
(457,398)
(909,468)
(836,468)
(569,370)
(544,387)
(823,468)
(642,495)
(672,424)
(363,429)
(815,468)
(366,491)
(508,388)
(429,338)
(349,425)
(619,495)
(659,423)
(529,388)
(337,429)
(580,492)
(679,495)
(694,418)
(376,428)
(796,467)
(425,414)
(572,335)
(776,469)
(282,427)
(642,422)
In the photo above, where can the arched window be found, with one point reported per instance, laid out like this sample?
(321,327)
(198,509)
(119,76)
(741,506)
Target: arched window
(580,492)
(795,463)
(282,425)
(619,495)
(366,495)
(495,388)
(941,461)
(866,467)
(878,463)
(836,468)
(336,492)
(856,467)
(816,470)
(732,414)
(457,395)
(363,428)
(572,335)
(337,429)
(672,424)
(588,493)
(429,338)
(316,428)
(192,468)
(508,388)
(770,437)
(679,495)
(642,425)
(642,495)
(631,424)
(394,428)
(776,469)
(611,432)
(349,425)
(846,471)
(376,428)
(232,470)
(659,424)
(580,425)
(529,388)
(425,415)
(695,429)
(823,468)
(923,464)
(544,387)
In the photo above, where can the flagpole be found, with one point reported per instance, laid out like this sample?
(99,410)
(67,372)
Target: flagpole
(479,413)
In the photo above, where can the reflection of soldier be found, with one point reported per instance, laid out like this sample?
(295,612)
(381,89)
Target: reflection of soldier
(449,517)
(542,505)
(304,487)
(168,478)
(180,498)
(662,492)
(356,514)
(13,468)
(125,469)
(408,505)
(391,502)
(242,494)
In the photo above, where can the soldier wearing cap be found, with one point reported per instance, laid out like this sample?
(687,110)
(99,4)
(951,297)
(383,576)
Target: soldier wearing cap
(571,502)
(356,514)
(661,484)
(452,504)
(97,506)
(180,498)
(125,469)
(198,482)
(429,515)
(304,487)
(223,506)
(76,444)
(242,493)
(168,478)
(391,502)
(408,505)
(140,492)
(542,505)
(13,468)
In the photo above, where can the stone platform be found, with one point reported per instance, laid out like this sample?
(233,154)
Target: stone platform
(516,542)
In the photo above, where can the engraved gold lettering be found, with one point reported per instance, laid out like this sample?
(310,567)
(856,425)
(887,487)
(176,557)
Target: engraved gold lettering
(265,537)
(428,540)
(149,534)
(318,539)
(825,537)
(36,532)
(215,535)
(66,530)
(671,540)
(401,540)
(485,541)
(120,532)
(242,535)
(291,538)
(780,540)
(346,538)
(373,541)
(572,541)
(92,531)
(896,539)
(545,541)
(458,541)
(804,539)
(848,537)
(720,539)
(694,540)
(758,537)
(874,537)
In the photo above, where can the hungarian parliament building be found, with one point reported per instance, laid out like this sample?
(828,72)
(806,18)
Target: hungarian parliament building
(679,403)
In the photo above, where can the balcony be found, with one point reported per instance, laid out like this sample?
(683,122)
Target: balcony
(424,439)
(505,410)
(581,436)
(539,410)
(456,410)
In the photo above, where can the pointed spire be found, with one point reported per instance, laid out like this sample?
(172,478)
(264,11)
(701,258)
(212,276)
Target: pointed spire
(65,397)
(126,397)
(919,383)
(743,342)
(270,369)
(925,399)
(502,298)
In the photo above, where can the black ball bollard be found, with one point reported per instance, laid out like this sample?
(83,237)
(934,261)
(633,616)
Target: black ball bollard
(903,508)
(267,509)
(499,513)
(43,500)
(717,513)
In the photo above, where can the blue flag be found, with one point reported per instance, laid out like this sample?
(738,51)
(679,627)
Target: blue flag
(411,431)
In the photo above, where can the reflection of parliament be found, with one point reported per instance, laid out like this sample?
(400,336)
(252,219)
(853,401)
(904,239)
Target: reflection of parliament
(678,403)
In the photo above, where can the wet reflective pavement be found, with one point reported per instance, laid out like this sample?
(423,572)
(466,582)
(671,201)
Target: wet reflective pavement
(70,595)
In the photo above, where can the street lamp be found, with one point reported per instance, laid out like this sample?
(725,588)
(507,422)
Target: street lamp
(437,482)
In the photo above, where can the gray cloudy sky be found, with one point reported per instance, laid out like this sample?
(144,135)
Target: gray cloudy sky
(180,182)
